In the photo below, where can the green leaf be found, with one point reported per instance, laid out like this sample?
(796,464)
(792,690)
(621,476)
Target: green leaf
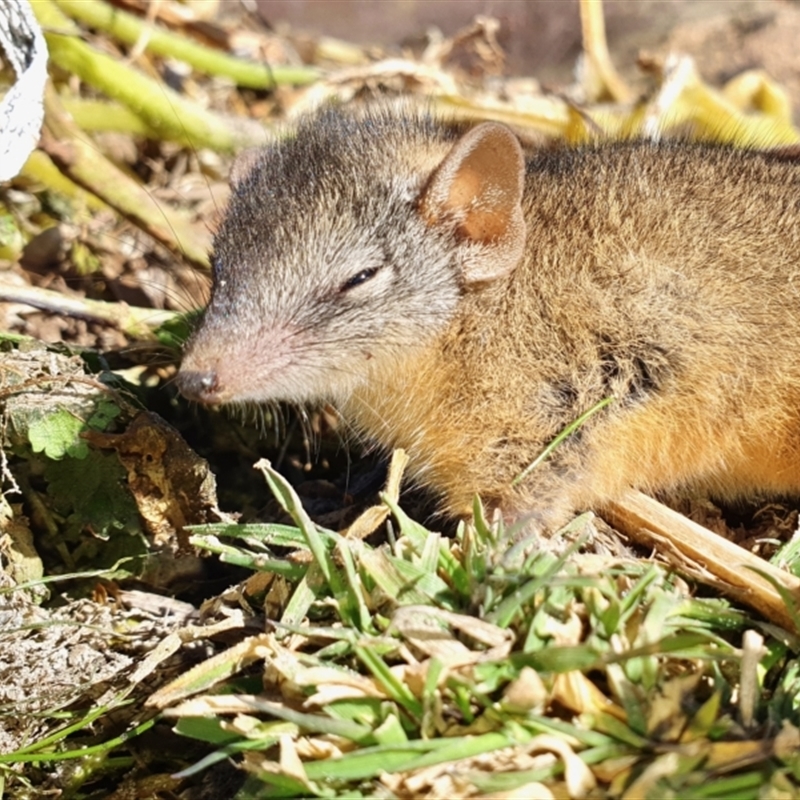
(105,411)
(93,495)
(57,435)
(174,332)
(206,729)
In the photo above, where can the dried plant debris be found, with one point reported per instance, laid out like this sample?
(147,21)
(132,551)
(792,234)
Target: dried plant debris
(171,484)
(85,666)
(579,677)
(50,660)
(93,469)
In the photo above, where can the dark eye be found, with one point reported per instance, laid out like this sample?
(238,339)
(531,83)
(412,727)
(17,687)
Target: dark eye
(359,278)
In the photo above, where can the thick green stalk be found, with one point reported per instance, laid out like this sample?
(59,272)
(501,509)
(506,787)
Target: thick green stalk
(169,114)
(131,29)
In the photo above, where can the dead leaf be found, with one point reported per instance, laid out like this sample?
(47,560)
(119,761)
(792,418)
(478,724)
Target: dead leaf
(173,487)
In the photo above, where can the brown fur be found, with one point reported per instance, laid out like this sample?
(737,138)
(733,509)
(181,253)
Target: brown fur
(663,275)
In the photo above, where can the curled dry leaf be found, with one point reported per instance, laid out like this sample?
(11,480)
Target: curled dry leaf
(312,747)
(215,669)
(429,630)
(460,778)
(337,684)
(563,633)
(526,792)
(787,742)
(18,557)
(211,705)
(173,487)
(576,692)
(290,762)
(667,717)
(579,778)
(371,518)
(527,693)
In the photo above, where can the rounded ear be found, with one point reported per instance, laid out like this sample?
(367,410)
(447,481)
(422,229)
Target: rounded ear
(243,164)
(478,186)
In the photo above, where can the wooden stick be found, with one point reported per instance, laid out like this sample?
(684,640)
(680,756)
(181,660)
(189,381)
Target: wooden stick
(136,322)
(649,522)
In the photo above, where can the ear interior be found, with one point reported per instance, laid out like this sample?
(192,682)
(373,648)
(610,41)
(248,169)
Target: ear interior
(478,186)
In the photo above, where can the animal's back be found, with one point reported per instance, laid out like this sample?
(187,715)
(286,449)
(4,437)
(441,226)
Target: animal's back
(665,276)
(467,303)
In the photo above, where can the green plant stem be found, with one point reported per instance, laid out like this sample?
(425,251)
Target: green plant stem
(63,733)
(131,29)
(568,431)
(100,115)
(40,167)
(82,752)
(83,163)
(167,113)
(138,323)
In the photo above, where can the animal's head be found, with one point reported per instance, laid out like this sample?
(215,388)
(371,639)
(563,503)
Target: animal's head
(350,241)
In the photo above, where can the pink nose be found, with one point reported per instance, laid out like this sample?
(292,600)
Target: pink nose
(202,387)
